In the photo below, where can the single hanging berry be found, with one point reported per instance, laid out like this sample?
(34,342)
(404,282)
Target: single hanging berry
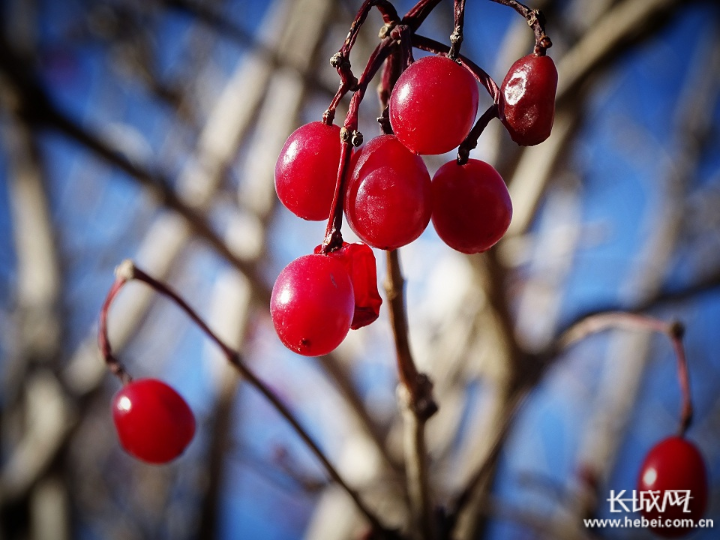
(306,170)
(471,205)
(676,465)
(359,261)
(312,304)
(387,202)
(527,104)
(433,105)
(153,422)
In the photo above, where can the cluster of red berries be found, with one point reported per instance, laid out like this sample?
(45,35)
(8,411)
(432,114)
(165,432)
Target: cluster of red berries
(388,201)
(389,197)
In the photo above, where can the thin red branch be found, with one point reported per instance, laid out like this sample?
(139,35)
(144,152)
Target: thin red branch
(471,140)
(430,45)
(341,59)
(126,272)
(634,321)
(333,235)
(350,136)
(535,20)
(418,13)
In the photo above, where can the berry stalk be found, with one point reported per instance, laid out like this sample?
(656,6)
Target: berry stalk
(471,140)
(430,45)
(350,136)
(535,20)
(415,391)
(633,321)
(126,272)
(456,38)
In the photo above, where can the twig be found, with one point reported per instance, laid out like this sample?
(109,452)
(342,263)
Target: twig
(471,140)
(633,321)
(349,135)
(456,38)
(430,45)
(416,401)
(419,12)
(416,464)
(535,20)
(128,271)
(463,498)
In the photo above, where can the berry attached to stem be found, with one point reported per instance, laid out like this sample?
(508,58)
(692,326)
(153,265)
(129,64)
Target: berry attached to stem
(153,422)
(388,202)
(312,305)
(306,170)
(433,105)
(674,464)
(527,105)
(359,261)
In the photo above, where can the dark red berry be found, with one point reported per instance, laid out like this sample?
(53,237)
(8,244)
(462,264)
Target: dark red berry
(387,202)
(433,105)
(153,422)
(675,464)
(471,205)
(359,261)
(306,170)
(528,99)
(312,304)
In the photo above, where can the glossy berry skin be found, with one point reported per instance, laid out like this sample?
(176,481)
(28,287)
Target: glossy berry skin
(527,105)
(153,422)
(675,464)
(312,304)
(433,105)
(387,202)
(306,170)
(359,261)
(471,205)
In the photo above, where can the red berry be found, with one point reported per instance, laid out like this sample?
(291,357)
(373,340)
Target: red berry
(433,105)
(675,464)
(312,305)
(153,422)
(306,170)
(359,261)
(471,205)
(387,202)
(528,99)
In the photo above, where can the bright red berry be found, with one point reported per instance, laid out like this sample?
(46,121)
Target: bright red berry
(471,205)
(387,202)
(433,105)
(306,170)
(528,99)
(359,261)
(153,422)
(674,464)
(312,304)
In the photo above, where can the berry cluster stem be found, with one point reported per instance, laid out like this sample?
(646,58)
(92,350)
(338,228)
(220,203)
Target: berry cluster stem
(418,384)
(341,59)
(127,272)
(333,235)
(535,20)
(470,142)
(350,136)
(430,45)
(633,321)
(456,38)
